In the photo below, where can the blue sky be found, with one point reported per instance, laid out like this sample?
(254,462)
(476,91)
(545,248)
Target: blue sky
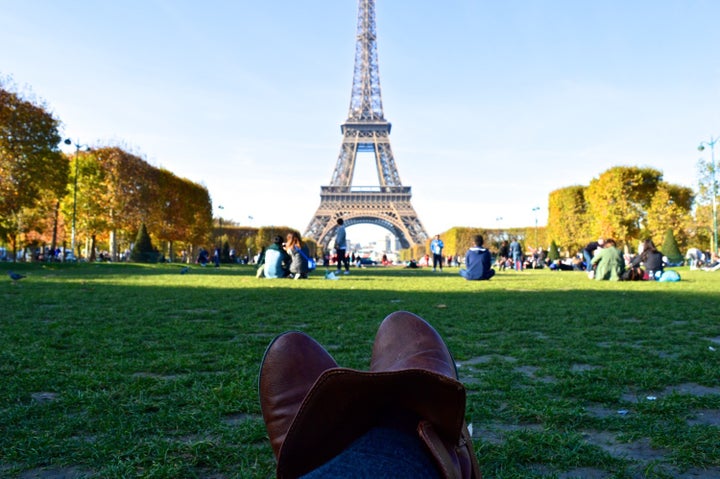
(493,104)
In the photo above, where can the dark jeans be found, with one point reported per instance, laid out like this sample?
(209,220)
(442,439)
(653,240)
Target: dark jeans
(437,260)
(342,259)
(382,453)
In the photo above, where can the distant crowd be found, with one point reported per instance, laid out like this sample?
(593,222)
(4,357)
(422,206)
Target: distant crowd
(290,258)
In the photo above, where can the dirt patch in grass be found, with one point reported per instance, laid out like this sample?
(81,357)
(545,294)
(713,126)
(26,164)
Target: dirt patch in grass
(584,473)
(692,389)
(56,473)
(601,412)
(197,438)
(466,369)
(234,419)
(495,432)
(581,368)
(696,473)
(530,371)
(44,396)
(637,397)
(486,359)
(706,417)
(638,450)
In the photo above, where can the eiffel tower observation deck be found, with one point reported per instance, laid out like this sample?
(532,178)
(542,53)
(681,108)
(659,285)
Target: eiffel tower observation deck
(386,204)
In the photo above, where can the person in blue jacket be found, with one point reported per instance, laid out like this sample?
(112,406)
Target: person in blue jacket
(436,246)
(477,262)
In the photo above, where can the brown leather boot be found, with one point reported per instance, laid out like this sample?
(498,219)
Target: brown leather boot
(411,371)
(406,342)
(292,363)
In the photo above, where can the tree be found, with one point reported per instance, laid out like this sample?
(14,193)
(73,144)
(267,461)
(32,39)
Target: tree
(670,248)
(670,208)
(30,160)
(90,201)
(618,199)
(143,251)
(567,217)
(553,254)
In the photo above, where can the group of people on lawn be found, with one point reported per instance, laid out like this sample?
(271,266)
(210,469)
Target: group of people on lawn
(284,260)
(603,260)
(290,259)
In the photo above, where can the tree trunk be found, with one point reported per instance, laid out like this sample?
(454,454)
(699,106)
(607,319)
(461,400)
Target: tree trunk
(55,227)
(92,248)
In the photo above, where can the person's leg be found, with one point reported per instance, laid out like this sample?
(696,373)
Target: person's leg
(340,258)
(410,347)
(588,260)
(289,368)
(381,453)
(320,416)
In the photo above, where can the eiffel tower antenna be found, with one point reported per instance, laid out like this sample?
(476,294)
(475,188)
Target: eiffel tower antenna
(366,130)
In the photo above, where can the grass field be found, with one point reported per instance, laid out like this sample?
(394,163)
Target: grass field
(119,371)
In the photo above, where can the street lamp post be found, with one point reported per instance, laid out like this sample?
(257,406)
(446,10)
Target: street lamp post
(68,141)
(535,210)
(220,207)
(711,144)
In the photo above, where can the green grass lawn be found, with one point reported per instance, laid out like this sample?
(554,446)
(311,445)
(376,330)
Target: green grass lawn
(119,371)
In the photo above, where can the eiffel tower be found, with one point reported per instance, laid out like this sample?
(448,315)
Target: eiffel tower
(366,130)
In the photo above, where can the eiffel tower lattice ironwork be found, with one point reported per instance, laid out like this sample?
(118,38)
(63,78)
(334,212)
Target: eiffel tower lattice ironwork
(366,130)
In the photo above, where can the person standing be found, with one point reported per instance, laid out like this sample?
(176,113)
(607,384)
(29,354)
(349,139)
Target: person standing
(516,254)
(478,262)
(341,247)
(216,257)
(436,246)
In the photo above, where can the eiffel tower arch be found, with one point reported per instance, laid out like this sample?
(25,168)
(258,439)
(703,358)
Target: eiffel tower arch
(366,130)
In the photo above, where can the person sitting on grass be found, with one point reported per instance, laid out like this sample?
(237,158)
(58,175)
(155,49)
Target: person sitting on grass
(713,264)
(299,254)
(608,262)
(651,258)
(477,262)
(274,262)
